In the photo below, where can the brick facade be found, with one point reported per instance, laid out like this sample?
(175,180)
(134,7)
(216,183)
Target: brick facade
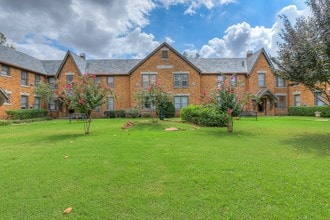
(166,64)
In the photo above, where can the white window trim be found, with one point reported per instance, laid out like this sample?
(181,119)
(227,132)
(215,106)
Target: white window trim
(149,73)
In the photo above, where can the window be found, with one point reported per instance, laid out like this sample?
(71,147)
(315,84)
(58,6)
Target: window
(296,99)
(180,80)
(220,80)
(110,103)
(97,108)
(97,79)
(24,102)
(180,102)
(69,78)
(36,102)
(164,54)
(318,99)
(5,70)
(148,80)
(53,105)
(110,81)
(36,79)
(279,82)
(281,102)
(233,80)
(52,84)
(261,79)
(24,78)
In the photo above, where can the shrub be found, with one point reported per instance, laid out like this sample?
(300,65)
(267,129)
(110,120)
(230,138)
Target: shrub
(114,114)
(168,110)
(132,113)
(207,116)
(27,114)
(309,110)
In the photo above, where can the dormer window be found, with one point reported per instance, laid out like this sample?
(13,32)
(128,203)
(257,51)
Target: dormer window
(164,53)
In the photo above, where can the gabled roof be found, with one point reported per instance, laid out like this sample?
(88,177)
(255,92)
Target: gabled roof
(51,66)
(220,65)
(266,92)
(15,58)
(252,60)
(172,49)
(79,62)
(113,66)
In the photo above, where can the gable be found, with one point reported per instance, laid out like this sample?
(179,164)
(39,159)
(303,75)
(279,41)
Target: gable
(159,58)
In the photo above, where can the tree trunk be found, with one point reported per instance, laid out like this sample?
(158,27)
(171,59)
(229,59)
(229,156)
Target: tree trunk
(230,124)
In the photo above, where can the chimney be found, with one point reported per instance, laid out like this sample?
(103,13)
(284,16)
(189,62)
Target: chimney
(249,53)
(82,55)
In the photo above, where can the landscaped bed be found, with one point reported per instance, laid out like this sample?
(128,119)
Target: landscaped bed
(273,168)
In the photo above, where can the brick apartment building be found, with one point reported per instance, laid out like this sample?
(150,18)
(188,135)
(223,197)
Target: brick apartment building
(185,78)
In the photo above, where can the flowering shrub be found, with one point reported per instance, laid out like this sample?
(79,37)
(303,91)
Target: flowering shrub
(154,97)
(83,95)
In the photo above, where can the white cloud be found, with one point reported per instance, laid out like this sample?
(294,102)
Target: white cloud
(193,5)
(93,27)
(240,38)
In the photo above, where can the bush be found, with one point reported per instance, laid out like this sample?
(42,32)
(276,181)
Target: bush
(207,116)
(132,113)
(114,114)
(309,110)
(168,110)
(27,114)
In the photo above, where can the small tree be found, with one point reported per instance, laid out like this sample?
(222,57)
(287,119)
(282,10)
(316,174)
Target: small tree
(154,97)
(46,93)
(84,96)
(229,100)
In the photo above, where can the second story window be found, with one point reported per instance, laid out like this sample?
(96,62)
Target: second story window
(110,81)
(97,79)
(5,70)
(148,80)
(52,83)
(261,80)
(24,78)
(233,80)
(279,82)
(220,80)
(180,80)
(36,79)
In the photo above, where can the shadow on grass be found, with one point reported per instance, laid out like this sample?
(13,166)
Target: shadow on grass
(311,143)
(63,137)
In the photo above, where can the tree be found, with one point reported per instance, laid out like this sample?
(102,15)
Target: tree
(46,93)
(154,97)
(304,55)
(3,41)
(83,95)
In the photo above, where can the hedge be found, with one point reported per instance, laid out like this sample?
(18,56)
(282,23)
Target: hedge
(206,116)
(309,110)
(114,114)
(23,114)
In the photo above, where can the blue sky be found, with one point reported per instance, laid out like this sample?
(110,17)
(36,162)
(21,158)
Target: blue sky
(132,29)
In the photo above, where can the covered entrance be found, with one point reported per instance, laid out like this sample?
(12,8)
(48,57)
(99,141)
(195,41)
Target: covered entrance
(266,106)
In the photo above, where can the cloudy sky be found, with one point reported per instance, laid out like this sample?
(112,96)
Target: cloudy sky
(46,29)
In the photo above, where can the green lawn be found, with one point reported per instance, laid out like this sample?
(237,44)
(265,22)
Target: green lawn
(273,168)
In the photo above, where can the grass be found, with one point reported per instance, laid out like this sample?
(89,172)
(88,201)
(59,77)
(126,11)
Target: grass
(273,168)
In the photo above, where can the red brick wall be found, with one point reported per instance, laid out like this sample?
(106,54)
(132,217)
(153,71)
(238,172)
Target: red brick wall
(12,84)
(165,76)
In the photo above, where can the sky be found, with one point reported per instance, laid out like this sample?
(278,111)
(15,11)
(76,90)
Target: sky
(104,29)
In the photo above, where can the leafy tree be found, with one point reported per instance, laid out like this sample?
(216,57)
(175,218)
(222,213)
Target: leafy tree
(3,41)
(154,97)
(304,55)
(46,93)
(83,95)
